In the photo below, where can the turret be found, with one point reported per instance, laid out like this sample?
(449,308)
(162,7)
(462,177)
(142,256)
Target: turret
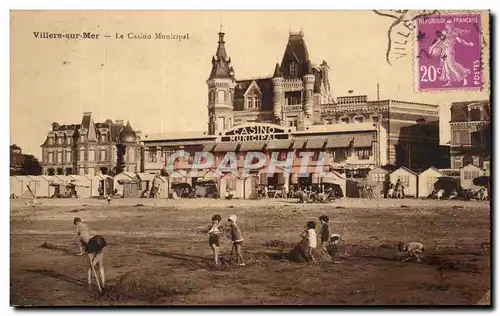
(221,85)
(308,80)
(277,81)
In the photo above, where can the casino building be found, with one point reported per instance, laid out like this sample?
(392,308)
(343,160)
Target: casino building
(294,110)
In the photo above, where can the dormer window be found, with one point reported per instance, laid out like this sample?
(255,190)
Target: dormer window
(59,140)
(82,138)
(293,69)
(51,140)
(103,138)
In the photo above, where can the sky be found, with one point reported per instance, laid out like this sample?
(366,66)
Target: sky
(159,85)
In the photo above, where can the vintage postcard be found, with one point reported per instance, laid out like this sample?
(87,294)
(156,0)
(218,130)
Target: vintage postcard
(216,158)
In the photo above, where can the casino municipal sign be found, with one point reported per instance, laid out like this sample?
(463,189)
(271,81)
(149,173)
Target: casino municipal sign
(256,132)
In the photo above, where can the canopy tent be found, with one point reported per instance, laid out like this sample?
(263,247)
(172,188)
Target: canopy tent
(335,180)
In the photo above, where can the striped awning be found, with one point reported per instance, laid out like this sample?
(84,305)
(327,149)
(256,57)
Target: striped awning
(208,147)
(363,140)
(299,143)
(224,147)
(315,143)
(338,141)
(279,144)
(250,146)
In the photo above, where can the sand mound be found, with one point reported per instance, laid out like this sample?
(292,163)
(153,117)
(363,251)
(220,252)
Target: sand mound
(148,285)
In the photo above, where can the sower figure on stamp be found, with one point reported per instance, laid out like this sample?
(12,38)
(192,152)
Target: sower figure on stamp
(444,47)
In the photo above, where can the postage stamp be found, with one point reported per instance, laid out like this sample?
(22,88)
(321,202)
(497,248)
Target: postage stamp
(448,53)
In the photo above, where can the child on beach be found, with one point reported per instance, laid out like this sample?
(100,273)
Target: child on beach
(214,233)
(412,248)
(310,235)
(236,238)
(324,232)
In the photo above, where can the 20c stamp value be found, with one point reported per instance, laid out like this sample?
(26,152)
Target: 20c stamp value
(448,53)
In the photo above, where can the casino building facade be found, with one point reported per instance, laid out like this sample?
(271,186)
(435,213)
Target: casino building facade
(293,110)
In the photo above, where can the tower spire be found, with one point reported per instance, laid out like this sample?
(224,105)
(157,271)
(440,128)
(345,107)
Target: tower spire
(221,49)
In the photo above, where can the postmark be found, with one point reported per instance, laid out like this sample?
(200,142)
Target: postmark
(448,53)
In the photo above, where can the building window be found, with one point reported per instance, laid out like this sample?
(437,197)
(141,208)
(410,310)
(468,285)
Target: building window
(68,156)
(282,155)
(59,140)
(211,96)
(221,96)
(59,157)
(345,120)
(152,155)
(82,155)
(363,153)
(359,119)
(293,69)
(475,114)
(461,137)
(378,177)
(476,139)
(486,165)
(220,123)
(103,138)
(328,121)
(292,123)
(103,155)
(68,140)
(51,140)
(50,157)
(91,155)
(82,138)
(248,102)
(256,101)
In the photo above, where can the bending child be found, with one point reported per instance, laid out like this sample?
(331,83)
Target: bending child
(310,235)
(95,251)
(82,234)
(412,248)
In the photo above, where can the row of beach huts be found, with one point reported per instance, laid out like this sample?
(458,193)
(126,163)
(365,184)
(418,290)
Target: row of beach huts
(128,184)
(125,184)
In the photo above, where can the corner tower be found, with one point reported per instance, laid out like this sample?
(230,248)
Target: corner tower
(221,85)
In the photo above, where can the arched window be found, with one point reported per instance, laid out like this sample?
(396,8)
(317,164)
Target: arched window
(359,119)
(345,120)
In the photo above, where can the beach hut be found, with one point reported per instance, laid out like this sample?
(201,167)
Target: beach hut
(408,178)
(162,189)
(426,181)
(120,179)
(82,185)
(16,186)
(40,186)
(145,183)
(100,181)
(335,181)
(21,184)
(379,178)
(467,175)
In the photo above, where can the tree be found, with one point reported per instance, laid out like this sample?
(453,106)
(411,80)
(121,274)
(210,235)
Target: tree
(32,166)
